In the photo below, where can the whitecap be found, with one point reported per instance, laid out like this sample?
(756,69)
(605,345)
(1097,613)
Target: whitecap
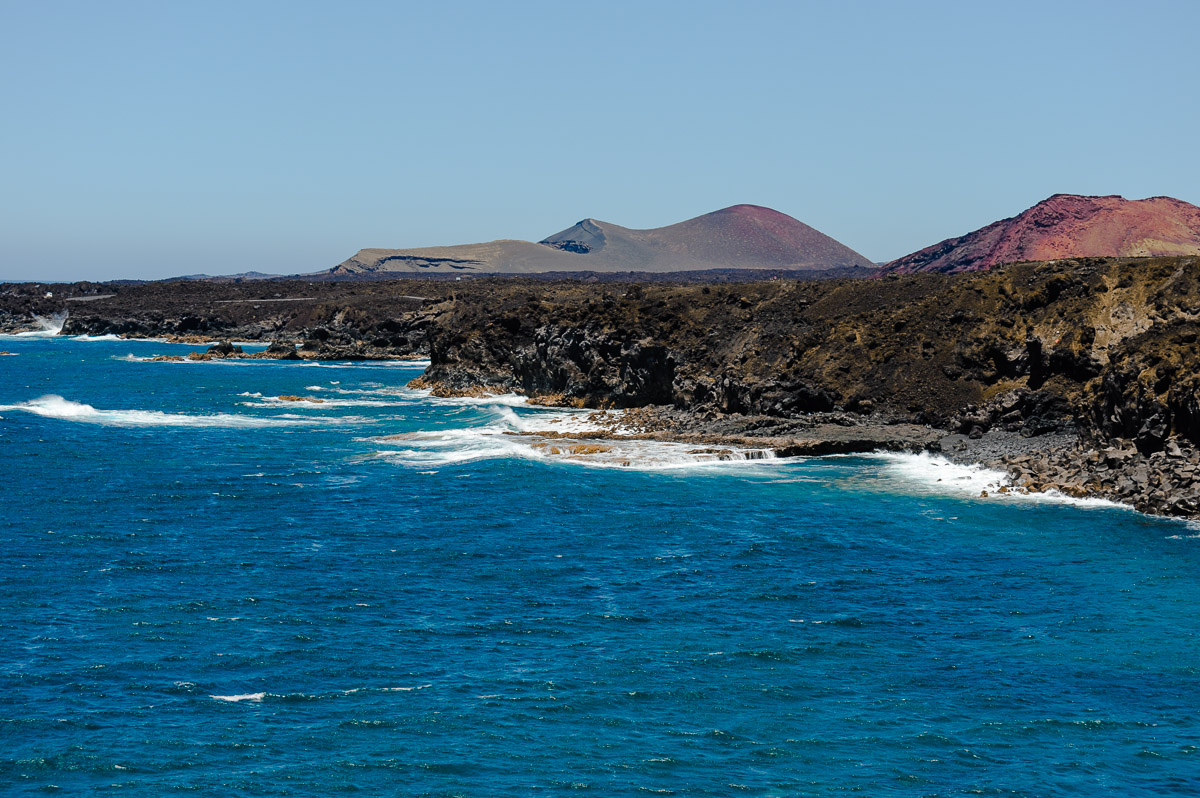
(316,403)
(243,697)
(107,337)
(353,690)
(53,406)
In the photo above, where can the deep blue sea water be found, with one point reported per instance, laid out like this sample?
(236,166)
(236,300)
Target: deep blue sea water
(205,589)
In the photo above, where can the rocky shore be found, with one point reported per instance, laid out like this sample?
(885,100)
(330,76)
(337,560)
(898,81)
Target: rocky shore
(1165,482)
(324,320)
(1077,375)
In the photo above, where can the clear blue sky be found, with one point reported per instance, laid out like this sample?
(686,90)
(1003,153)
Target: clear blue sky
(150,139)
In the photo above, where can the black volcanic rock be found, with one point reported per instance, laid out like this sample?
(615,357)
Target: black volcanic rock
(1038,368)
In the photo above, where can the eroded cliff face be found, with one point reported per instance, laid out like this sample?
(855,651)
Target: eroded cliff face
(1104,345)
(1107,345)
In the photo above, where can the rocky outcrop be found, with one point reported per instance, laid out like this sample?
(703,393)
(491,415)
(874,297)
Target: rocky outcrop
(1164,482)
(363,321)
(1018,345)
(310,350)
(1093,351)
(1066,226)
(1056,360)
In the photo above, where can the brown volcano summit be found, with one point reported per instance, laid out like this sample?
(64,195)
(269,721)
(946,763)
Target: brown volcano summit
(738,237)
(741,236)
(1067,226)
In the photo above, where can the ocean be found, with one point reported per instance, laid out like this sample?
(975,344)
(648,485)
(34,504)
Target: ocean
(208,589)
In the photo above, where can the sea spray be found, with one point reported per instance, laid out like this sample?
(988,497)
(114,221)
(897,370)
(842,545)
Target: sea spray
(46,326)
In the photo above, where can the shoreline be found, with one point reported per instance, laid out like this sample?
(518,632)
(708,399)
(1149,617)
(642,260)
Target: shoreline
(1075,375)
(1164,483)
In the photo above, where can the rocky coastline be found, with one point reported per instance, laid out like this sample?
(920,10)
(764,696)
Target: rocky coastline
(1075,375)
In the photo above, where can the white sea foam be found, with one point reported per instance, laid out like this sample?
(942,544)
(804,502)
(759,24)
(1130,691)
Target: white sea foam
(108,337)
(559,421)
(354,690)
(53,406)
(491,400)
(256,697)
(1192,526)
(320,403)
(936,474)
(942,475)
(372,389)
(363,365)
(157,358)
(388,392)
(502,439)
(242,697)
(424,396)
(535,417)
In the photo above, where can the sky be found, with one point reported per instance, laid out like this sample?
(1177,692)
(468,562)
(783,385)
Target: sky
(142,140)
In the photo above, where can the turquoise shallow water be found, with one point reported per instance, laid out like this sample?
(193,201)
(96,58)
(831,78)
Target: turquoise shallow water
(205,589)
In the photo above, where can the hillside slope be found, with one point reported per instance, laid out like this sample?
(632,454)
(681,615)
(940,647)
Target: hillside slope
(1067,226)
(738,237)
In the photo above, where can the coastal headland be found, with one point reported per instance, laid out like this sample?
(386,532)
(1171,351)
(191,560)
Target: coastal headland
(1078,375)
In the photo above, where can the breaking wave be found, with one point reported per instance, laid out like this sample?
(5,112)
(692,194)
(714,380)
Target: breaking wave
(554,436)
(53,406)
(233,699)
(490,400)
(258,697)
(363,365)
(47,327)
(937,475)
(301,402)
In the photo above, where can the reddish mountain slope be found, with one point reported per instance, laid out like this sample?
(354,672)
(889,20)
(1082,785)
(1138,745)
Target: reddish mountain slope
(1067,226)
(739,237)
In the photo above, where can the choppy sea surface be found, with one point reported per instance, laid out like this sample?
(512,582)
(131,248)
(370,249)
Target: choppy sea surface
(207,588)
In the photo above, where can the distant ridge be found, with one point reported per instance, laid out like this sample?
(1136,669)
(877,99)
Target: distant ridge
(222,278)
(738,237)
(1067,226)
